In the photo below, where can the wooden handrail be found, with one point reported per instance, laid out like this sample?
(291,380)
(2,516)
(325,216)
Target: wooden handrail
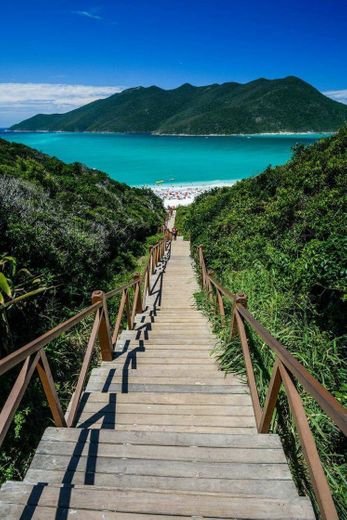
(76,396)
(114,292)
(285,368)
(37,344)
(33,355)
(326,401)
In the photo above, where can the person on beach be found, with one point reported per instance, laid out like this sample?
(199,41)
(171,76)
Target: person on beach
(174,233)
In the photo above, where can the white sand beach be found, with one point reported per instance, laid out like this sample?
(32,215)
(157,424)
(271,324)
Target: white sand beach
(184,194)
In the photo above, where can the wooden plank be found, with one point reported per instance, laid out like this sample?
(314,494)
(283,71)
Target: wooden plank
(187,324)
(162,345)
(170,439)
(191,399)
(172,339)
(208,371)
(167,409)
(159,351)
(184,374)
(184,453)
(174,381)
(168,419)
(267,488)
(159,317)
(169,428)
(179,334)
(143,360)
(164,503)
(97,386)
(167,468)
(15,511)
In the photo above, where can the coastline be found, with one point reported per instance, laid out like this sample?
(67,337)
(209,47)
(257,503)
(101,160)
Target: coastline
(282,133)
(259,134)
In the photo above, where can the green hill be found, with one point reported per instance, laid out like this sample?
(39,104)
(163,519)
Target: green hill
(280,237)
(288,104)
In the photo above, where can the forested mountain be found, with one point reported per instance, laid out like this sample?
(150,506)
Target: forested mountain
(65,231)
(288,104)
(280,237)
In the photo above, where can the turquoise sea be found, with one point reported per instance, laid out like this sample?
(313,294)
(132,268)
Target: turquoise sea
(145,159)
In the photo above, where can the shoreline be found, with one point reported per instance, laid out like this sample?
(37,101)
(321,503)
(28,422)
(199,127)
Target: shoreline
(282,133)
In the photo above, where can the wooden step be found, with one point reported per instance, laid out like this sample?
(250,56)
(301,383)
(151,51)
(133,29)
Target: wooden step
(183,336)
(109,417)
(143,359)
(268,441)
(167,344)
(160,352)
(167,467)
(129,387)
(209,370)
(133,377)
(178,399)
(159,502)
(166,409)
(251,488)
(180,453)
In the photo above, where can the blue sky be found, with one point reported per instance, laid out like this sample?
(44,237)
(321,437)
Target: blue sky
(56,55)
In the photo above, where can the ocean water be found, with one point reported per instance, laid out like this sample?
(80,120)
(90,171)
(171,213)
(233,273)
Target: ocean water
(146,159)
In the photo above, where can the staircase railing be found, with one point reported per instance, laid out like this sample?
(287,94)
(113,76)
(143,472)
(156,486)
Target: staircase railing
(286,370)
(33,356)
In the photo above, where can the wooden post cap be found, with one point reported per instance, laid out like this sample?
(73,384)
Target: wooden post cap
(97,296)
(241,298)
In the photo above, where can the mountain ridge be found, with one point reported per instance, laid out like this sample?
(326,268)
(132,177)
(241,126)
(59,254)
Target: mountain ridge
(262,105)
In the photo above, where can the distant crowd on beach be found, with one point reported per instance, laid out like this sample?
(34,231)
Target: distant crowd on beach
(183,195)
(180,195)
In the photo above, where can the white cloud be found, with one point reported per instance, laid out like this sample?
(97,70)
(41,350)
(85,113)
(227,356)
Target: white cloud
(21,100)
(337,95)
(88,14)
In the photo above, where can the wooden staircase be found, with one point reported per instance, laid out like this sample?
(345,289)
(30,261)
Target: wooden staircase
(161,433)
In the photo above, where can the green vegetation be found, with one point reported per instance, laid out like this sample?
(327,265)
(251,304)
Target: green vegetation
(280,238)
(65,230)
(287,104)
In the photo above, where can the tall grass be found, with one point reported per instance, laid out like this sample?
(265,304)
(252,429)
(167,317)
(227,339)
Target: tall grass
(287,320)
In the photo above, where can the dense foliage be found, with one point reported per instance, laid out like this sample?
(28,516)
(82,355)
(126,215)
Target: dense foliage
(280,237)
(65,230)
(288,104)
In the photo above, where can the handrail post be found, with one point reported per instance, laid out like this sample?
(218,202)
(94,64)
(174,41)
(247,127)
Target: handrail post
(148,288)
(242,299)
(104,330)
(249,367)
(139,306)
(271,399)
(119,317)
(127,308)
(151,253)
(201,258)
(209,285)
(309,448)
(47,381)
(221,307)
(156,254)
